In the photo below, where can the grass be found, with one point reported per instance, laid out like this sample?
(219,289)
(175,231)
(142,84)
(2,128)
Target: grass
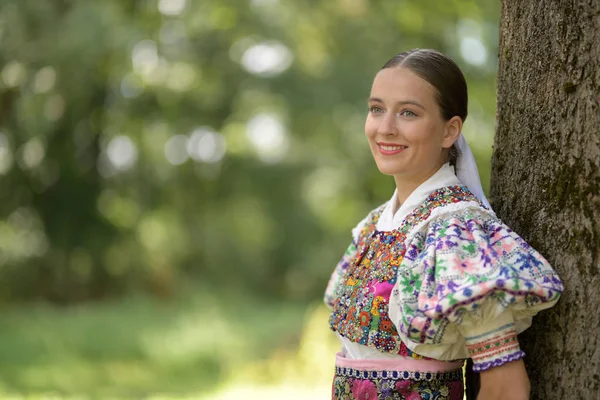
(199,345)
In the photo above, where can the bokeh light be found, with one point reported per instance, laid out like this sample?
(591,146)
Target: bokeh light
(144,57)
(206,145)
(45,79)
(267,58)
(176,149)
(6,158)
(121,152)
(171,7)
(268,137)
(473,51)
(13,74)
(32,153)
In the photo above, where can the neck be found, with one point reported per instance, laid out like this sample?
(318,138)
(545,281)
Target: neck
(406,184)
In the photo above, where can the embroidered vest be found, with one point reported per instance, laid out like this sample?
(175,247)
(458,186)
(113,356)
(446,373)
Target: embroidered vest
(365,278)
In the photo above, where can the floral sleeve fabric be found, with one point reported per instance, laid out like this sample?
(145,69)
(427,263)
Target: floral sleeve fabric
(467,285)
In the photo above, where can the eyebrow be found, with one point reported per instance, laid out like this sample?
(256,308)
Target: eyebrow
(414,103)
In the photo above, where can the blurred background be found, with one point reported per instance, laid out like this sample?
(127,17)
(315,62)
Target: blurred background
(178,179)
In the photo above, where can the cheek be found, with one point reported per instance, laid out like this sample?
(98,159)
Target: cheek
(424,135)
(370,127)
(416,136)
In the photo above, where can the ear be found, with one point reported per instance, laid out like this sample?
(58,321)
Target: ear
(452,131)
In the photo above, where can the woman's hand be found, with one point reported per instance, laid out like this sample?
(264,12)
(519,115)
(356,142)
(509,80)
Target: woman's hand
(506,382)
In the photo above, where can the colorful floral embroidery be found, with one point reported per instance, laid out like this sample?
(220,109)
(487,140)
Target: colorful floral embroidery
(350,255)
(352,384)
(361,296)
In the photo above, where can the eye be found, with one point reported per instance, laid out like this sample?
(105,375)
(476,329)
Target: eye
(408,113)
(375,109)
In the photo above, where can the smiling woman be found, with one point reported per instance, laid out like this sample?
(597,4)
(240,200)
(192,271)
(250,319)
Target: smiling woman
(432,277)
(403,102)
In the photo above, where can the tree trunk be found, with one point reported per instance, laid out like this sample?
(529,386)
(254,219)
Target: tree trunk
(546,178)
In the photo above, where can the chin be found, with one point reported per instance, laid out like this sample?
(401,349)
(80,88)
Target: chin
(389,170)
(390,165)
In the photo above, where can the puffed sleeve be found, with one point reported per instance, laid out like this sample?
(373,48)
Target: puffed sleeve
(467,285)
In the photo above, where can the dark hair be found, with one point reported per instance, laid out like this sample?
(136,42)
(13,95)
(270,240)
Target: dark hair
(444,75)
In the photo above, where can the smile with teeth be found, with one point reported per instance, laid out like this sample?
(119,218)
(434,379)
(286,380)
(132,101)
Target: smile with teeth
(388,149)
(391,148)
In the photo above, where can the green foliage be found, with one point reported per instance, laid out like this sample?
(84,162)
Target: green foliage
(140,347)
(97,192)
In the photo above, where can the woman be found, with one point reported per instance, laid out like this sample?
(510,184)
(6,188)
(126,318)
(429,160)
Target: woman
(432,277)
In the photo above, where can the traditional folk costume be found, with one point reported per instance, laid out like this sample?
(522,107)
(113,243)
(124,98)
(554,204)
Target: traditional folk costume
(440,280)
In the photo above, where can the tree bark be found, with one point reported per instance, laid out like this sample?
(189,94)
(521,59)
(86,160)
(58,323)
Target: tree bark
(545,180)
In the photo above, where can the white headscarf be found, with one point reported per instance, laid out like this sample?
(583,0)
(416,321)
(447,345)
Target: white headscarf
(466,169)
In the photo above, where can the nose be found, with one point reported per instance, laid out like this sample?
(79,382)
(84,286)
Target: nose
(388,125)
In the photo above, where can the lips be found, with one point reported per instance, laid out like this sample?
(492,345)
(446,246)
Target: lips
(389,149)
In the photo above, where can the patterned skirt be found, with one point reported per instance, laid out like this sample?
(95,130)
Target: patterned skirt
(405,379)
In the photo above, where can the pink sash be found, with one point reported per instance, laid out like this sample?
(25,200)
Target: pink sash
(399,364)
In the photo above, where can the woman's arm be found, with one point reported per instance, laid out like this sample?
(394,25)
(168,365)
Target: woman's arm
(506,382)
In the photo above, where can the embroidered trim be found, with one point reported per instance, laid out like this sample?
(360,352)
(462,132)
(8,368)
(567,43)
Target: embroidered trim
(498,362)
(490,348)
(412,375)
(352,387)
(499,344)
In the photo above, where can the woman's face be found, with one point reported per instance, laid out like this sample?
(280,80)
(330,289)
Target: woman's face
(405,128)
